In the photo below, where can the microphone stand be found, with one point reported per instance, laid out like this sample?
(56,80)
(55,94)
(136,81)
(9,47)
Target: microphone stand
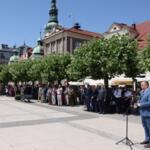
(126,140)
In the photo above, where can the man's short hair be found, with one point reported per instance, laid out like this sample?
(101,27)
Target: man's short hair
(146,82)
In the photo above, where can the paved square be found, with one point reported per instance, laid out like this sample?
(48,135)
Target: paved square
(35,126)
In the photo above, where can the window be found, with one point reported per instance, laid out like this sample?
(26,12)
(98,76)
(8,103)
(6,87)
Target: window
(114,28)
(53,47)
(59,45)
(77,44)
(2,56)
(47,49)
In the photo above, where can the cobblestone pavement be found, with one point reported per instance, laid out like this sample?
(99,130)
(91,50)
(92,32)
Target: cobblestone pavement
(36,126)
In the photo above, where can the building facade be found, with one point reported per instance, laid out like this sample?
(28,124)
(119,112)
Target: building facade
(5,53)
(25,51)
(140,31)
(67,40)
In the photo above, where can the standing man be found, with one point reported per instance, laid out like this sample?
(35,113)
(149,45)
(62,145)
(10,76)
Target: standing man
(144,105)
(66,95)
(94,95)
(118,99)
(40,92)
(88,94)
(101,98)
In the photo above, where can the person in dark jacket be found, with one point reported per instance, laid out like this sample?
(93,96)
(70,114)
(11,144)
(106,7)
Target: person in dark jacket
(101,98)
(94,95)
(88,93)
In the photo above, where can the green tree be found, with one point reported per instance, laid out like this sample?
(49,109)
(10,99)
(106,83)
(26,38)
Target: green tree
(105,58)
(34,72)
(55,66)
(5,75)
(145,57)
(19,71)
(51,68)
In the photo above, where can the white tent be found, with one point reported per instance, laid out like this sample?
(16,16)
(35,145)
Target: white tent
(143,79)
(76,83)
(93,82)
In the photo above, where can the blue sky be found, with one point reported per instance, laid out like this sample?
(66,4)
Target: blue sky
(21,20)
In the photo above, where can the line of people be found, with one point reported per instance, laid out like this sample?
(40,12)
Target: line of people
(59,95)
(113,100)
(94,98)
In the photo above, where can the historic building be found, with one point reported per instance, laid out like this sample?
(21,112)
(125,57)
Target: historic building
(11,54)
(58,39)
(139,31)
(20,53)
(25,51)
(5,53)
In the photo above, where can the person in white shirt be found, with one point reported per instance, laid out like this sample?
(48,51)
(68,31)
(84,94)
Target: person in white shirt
(41,94)
(118,93)
(59,95)
(127,99)
(118,99)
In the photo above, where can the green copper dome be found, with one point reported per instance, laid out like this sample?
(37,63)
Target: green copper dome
(38,50)
(14,59)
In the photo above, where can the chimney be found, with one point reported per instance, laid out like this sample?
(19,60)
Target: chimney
(134,26)
(77,26)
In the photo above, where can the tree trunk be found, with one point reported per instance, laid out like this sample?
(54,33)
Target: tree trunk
(106,82)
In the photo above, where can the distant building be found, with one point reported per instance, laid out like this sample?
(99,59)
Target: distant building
(10,54)
(5,53)
(138,31)
(58,39)
(25,51)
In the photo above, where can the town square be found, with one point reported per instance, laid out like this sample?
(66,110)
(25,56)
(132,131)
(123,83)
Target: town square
(75,75)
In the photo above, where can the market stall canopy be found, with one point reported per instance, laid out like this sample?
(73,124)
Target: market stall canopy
(93,82)
(121,81)
(76,83)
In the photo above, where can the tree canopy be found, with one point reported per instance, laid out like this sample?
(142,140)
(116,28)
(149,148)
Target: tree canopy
(145,57)
(105,58)
(100,59)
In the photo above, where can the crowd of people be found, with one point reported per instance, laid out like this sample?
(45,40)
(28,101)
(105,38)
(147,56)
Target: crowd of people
(98,99)
(112,100)
(117,99)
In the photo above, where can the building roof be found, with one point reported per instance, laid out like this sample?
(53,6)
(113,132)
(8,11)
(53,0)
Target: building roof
(143,30)
(84,32)
(121,27)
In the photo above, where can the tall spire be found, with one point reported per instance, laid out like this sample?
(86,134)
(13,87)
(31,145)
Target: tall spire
(53,12)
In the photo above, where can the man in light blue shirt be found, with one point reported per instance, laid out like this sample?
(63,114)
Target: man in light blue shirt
(144,105)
